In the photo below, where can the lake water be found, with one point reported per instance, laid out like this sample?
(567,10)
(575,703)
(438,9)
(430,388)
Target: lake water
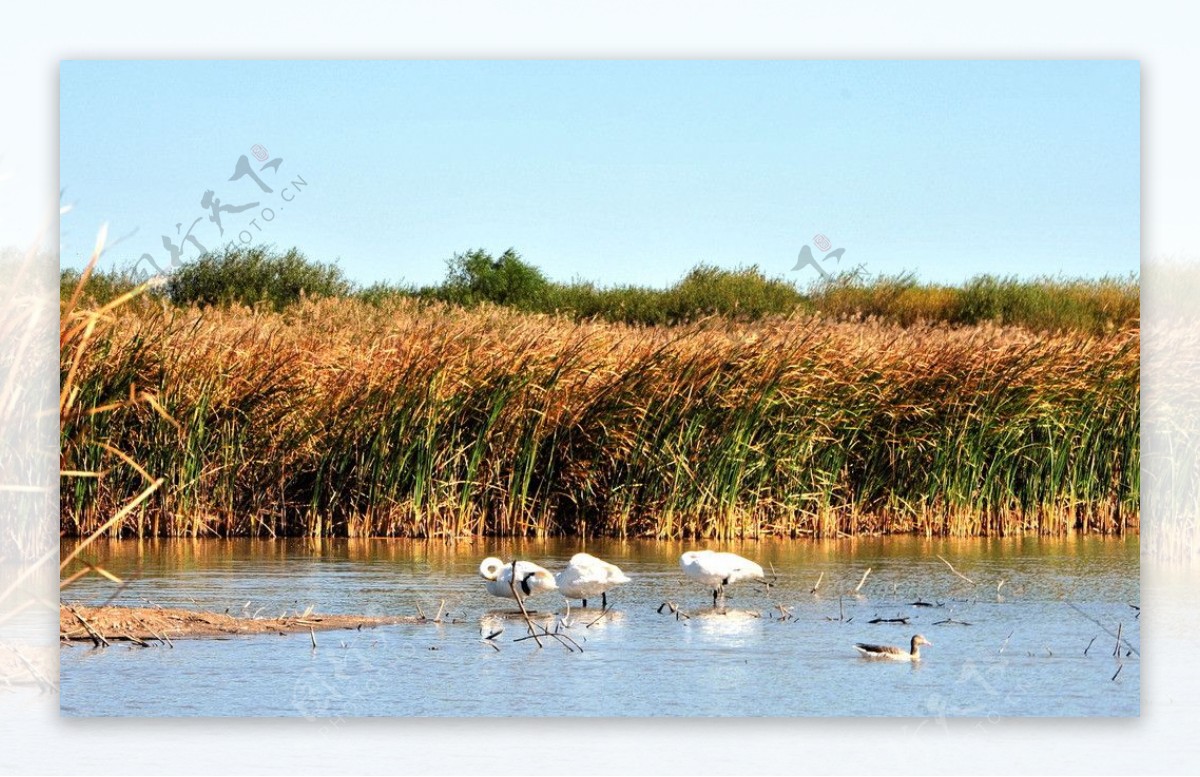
(1022,654)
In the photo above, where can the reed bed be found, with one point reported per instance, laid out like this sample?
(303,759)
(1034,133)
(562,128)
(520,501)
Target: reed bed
(340,418)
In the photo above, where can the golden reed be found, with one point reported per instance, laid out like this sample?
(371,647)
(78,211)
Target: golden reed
(337,417)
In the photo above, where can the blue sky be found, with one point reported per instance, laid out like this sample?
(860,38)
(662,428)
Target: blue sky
(617,172)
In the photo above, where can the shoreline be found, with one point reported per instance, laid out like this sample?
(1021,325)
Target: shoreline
(1131,528)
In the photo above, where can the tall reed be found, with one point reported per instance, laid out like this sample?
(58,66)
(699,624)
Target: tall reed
(337,417)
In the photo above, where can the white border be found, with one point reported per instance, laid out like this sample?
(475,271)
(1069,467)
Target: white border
(1162,36)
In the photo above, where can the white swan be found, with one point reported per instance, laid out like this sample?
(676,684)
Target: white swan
(891,653)
(717,570)
(587,576)
(531,579)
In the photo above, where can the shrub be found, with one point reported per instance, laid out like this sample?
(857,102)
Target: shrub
(1050,303)
(744,294)
(1039,304)
(103,286)
(383,292)
(252,276)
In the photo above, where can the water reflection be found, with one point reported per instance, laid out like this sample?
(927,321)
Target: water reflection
(728,624)
(593,621)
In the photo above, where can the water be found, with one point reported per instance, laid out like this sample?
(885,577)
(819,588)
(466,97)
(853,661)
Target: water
(1023,653)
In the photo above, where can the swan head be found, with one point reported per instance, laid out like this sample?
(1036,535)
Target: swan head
(489,568)
(690,556)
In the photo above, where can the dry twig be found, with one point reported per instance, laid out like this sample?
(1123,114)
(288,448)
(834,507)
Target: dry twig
(955,571)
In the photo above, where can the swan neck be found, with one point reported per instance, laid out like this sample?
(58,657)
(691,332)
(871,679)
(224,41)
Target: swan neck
(490,569)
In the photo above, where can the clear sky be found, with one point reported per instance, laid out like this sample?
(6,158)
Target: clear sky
(617,172)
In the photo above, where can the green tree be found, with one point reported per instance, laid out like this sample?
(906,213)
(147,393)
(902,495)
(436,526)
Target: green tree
(476,277)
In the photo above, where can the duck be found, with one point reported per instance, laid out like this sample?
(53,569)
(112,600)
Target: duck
(892,653)
(531,579)
(717,570)
(586,576)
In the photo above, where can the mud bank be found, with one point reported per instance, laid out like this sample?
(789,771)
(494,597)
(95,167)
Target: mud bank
(145,624)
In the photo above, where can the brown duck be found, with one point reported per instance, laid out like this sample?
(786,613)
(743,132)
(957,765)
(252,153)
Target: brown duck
(891,653)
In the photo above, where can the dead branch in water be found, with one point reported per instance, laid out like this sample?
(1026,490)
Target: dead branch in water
(902,619)
(864,579)
(951,622)
(564,640)
(96,636)
(769,584)
(841,618)
(162,638)
(1089,647)
(570,644)
(1103,628)
(603,613)
(490,639)
(678,613)
(1006,639)
(817,584)
(960,574)
(512,585)
(135,640)
(1117,647)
